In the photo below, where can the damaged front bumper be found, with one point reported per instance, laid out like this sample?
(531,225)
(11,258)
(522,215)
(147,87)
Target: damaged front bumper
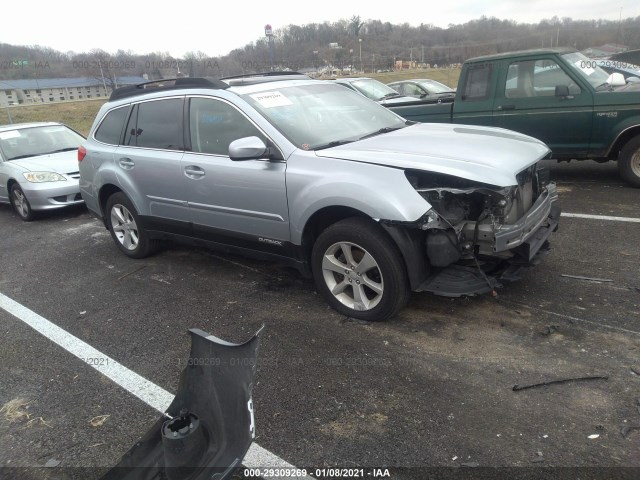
(526,241)
(508,237)
(209,426)
(466,257)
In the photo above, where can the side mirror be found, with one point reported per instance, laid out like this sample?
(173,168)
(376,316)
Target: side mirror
(248,148)
(616,80)
(562,91)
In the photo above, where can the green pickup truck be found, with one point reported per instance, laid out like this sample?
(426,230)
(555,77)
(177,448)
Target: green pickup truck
(556,95)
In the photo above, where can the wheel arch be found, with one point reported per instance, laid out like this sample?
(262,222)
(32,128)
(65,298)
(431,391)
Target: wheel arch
(409,242)
(105,192)
(321,220)
(621,140)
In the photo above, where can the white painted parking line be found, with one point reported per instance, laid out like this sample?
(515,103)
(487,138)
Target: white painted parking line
(150,393)
(601,217)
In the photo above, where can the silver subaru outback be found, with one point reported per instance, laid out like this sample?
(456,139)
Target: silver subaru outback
(313,175)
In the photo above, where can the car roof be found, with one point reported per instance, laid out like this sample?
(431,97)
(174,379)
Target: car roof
(17,126)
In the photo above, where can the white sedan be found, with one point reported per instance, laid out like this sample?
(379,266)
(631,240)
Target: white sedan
(39,167)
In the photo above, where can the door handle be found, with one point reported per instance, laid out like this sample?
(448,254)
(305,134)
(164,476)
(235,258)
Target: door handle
(126,163)
(194,172)
(506,107)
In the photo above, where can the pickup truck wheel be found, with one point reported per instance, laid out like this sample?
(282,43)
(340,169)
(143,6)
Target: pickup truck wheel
(359,270)
(629,162)
(125,228)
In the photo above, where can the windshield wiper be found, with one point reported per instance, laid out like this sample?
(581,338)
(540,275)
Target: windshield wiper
(390,95)
(335,143)
(18,157)
(381,131)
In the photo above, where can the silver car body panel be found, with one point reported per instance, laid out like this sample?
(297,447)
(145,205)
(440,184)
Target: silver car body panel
(315,182)
(276,199)
(482,154)
(44,195)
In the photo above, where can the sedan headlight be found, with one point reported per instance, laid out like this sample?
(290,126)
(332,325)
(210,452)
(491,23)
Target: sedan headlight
(40,177)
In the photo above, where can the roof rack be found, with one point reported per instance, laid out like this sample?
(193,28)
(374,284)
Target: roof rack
(254,78)
(165,85)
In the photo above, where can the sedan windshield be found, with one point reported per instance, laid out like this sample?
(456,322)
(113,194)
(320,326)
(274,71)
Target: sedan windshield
(434,87)
(35,141)
(322,115)
(374,89)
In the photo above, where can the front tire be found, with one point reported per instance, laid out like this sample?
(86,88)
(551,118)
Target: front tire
(359,270)
(629,162)
(21,204)
(125,228)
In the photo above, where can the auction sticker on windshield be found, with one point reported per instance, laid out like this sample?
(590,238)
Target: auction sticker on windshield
(9,134)
(271,99)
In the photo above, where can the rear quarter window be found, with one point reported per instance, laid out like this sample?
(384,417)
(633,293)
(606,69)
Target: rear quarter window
(477,84)
(157,124)
(110,130)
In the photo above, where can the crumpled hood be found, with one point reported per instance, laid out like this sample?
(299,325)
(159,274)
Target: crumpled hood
(62,162)
(483,154)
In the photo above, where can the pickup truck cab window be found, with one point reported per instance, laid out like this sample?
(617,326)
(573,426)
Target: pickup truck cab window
(537,78)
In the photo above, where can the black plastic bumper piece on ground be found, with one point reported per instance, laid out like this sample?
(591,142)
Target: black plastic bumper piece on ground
(210,425)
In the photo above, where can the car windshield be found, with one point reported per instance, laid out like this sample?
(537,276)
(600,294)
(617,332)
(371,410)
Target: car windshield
(587,68)
(374,89)
(322,115)
(434,87)
(34,141)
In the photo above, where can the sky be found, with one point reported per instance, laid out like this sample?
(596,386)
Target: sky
(217,28)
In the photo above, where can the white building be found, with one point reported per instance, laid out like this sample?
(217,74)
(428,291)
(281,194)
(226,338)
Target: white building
(47,90)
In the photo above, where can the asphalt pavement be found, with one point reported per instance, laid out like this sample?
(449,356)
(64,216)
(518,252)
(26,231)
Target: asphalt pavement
(432,387)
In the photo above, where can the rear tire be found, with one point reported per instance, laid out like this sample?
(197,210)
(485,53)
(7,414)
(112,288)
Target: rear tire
(125,228)
(629,162)
(359,270)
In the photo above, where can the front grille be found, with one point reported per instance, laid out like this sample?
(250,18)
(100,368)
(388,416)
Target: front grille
(74,175)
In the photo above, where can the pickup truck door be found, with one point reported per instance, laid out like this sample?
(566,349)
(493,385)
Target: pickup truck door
(526,102)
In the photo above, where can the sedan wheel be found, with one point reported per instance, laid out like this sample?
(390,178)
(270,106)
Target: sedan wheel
(20,203)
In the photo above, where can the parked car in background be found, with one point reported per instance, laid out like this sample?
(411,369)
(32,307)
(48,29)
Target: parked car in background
(375,90)
(556,95)
(630,72)
(423,88)
(313,175)
(39,167)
